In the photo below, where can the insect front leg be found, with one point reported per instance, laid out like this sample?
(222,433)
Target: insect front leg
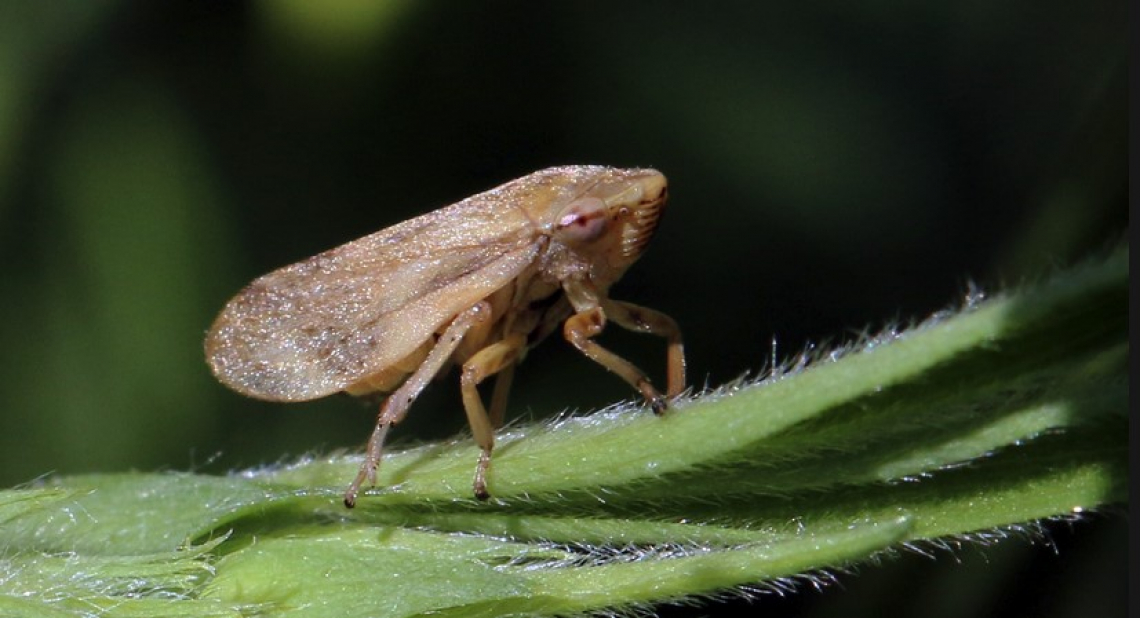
(579,330)
(395,407)
(645,320)
(492,359)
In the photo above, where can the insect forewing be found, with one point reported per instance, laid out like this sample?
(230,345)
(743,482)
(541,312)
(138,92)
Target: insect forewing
(316,327)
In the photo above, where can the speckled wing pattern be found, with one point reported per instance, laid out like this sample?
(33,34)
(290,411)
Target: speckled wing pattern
(315,327)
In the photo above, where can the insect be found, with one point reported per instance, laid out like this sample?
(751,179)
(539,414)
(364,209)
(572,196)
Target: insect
(475,284)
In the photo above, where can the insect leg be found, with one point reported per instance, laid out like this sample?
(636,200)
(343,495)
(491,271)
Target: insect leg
(645,320)
(500,395)
(395,407)
(486,362)
(579,330)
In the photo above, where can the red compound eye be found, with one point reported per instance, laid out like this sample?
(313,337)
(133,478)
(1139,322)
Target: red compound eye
(582,220)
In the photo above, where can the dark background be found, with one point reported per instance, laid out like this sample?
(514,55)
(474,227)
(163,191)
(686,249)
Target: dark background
(833,167)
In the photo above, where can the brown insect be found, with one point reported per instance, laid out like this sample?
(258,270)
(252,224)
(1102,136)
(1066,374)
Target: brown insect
(475,284)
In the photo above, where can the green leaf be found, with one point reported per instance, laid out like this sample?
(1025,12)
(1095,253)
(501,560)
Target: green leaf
(409,573)
(1005,412)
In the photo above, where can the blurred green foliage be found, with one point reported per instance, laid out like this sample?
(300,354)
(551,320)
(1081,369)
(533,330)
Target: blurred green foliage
(856,162)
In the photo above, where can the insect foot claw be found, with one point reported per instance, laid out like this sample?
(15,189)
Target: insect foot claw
(658,403)
(480,484)
(367,473)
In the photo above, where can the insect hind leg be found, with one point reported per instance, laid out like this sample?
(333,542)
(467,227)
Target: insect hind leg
(395,407)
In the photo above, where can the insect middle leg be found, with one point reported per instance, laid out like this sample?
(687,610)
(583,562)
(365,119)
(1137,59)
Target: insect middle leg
(499,356)
(500,395)
(579,330)
(395,407)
